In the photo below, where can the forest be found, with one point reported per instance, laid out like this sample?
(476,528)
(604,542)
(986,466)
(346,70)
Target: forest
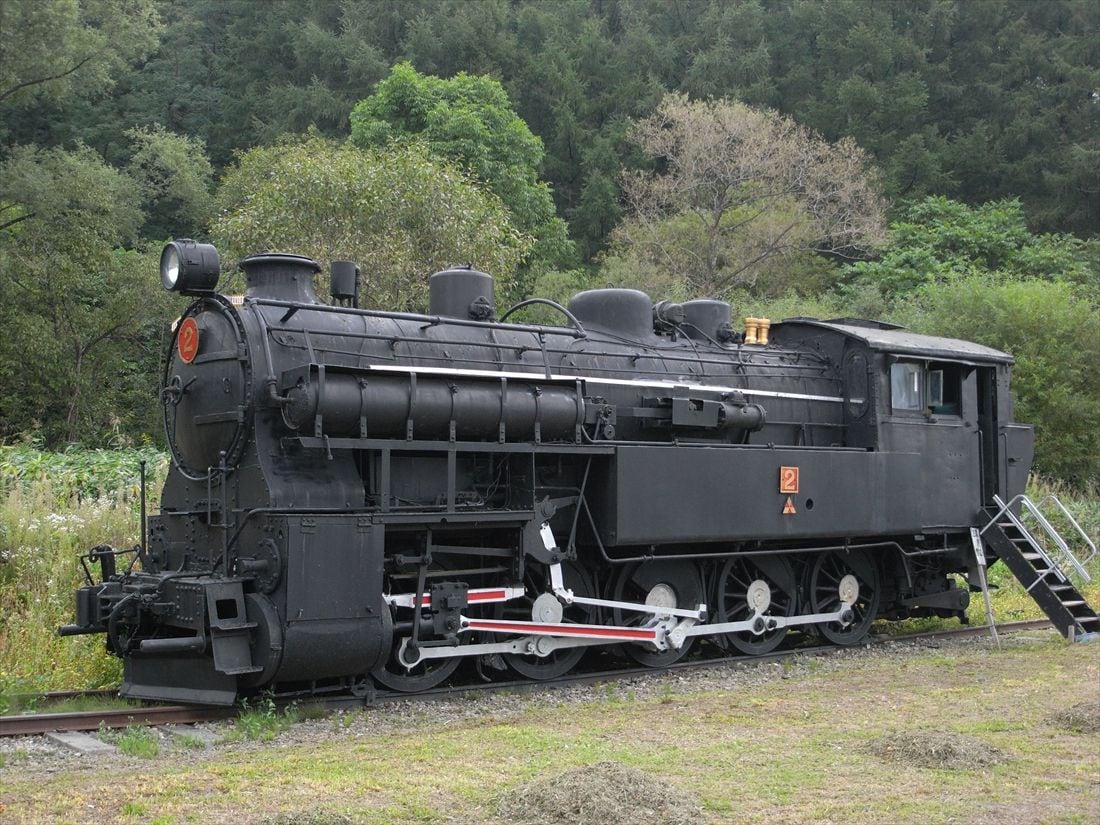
(935,163)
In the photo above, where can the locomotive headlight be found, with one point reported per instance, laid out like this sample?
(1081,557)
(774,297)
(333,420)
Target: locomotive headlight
(189,267)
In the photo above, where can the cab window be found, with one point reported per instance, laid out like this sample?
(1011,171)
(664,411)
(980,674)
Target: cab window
(930,387)
(906,386)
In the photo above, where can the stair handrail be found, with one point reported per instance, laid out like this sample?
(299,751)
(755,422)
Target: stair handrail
(1080,530)
(1048,528)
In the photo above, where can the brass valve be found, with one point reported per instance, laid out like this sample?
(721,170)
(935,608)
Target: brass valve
(751,327)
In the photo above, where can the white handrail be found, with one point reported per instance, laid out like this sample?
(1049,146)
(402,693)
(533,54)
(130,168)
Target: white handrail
(1048,528)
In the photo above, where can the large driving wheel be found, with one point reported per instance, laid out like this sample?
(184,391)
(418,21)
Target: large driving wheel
(429,673)
(536,581)
(747,584)
(424,676)
(666,583)
(831,578)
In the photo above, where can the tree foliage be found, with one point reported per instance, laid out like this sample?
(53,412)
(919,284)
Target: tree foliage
(978,101)
(400,213)
(72,303)
(939,240)
(740,195)
(1054,334)
(469,120)
(56,48)
(176,179)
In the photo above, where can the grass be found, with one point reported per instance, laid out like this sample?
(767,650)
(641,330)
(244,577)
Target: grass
(53,507)
(189,740)
(139,741)
(35,702)
(778,750)
(262,721)
(136,740)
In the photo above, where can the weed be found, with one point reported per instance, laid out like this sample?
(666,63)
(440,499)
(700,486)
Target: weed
(313,710)
(133,809)
(667,695)
(309,817)
(263,721)
(53,507)
(79,704)
(139,741)
(189,740)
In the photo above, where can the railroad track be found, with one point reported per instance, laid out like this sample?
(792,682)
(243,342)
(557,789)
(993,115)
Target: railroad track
(39,723)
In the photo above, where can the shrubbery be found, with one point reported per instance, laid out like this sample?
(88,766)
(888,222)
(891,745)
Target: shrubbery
(53,507)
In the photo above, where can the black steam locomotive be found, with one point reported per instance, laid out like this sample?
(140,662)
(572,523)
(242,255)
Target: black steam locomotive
(360,497)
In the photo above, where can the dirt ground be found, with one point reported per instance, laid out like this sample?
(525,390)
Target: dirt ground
(957,732)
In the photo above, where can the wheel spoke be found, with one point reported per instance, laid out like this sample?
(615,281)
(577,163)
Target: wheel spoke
(562,660)
(734,579)
(826,574)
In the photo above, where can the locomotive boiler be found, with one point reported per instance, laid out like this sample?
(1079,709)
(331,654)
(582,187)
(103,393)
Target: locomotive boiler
(360,497)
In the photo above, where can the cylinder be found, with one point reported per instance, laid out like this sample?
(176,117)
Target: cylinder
(764,325)
(398,407)
(461,293)
(280,276)
(344,284)
(628,312)
(749,417)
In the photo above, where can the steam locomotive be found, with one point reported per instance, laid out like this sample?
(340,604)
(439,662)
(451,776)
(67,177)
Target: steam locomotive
(361,498)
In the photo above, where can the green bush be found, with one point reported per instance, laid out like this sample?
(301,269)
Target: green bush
(80,473)
(1054,336)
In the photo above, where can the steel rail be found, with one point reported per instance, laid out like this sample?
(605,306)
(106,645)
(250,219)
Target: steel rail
(33,724)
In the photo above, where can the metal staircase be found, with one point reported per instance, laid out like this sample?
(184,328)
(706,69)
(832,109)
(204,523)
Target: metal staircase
(1043,561)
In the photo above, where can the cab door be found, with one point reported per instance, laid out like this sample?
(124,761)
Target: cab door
(989,452)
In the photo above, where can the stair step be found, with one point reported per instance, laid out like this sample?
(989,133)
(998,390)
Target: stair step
(1031,563)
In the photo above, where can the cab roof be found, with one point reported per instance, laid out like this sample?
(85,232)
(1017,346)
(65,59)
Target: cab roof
(884,337)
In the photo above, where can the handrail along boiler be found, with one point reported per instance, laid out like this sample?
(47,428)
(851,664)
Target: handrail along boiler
(359,496)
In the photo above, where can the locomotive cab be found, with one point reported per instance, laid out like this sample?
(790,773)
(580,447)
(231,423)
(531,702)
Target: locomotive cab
(941,399)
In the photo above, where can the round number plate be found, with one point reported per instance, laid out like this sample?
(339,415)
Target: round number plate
(187,340)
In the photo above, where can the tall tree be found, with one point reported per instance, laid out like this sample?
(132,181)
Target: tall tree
(939,240)
(470,121)
(739,189)
(176,179)
(69,294)
(399,212)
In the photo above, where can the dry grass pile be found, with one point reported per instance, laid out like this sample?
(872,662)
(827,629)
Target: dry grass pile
(936,749)
(307,817)
(1084,717)
(609,793)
